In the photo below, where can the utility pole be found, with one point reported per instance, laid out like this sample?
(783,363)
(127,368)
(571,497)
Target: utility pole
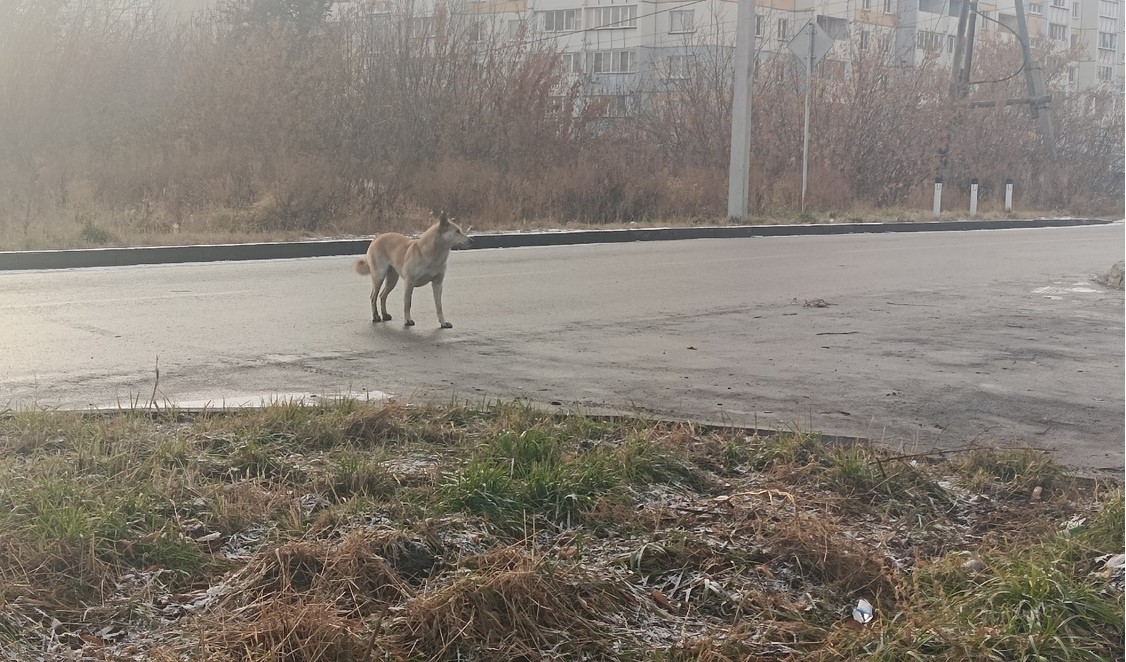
(805,134)
(739,170)
(1034,82)
(968,57)
(959,49)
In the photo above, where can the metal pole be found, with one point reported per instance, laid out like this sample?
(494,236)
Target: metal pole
(973,197)
(805,135)
(739,170)
(938,196)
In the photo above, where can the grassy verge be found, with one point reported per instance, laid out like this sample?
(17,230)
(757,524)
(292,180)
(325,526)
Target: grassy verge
(111,229)
(499,532)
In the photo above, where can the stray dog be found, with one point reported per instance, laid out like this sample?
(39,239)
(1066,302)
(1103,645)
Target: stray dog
(418,261)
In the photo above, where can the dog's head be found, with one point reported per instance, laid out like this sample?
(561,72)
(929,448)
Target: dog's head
(451,232)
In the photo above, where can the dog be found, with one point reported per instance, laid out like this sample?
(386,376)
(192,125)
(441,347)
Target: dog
(417,261)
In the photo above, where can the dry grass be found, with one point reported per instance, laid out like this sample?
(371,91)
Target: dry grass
(499,532)
(246,125)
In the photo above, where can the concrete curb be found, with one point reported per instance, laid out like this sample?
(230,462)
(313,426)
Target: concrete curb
(119,257)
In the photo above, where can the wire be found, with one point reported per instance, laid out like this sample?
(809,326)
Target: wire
(1023,60)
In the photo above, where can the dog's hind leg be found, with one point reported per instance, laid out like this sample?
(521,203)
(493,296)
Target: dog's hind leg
(436,285)
(392,279)
(376,283)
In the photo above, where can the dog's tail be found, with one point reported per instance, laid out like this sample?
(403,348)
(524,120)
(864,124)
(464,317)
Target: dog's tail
(362,267)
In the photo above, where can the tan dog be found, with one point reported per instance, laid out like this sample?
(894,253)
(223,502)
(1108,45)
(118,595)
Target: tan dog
(418,261)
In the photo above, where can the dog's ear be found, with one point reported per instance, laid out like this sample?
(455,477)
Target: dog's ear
(443,219)
(469,229)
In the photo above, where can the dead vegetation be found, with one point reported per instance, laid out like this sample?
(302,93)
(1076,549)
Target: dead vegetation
(267,120)
(358,532)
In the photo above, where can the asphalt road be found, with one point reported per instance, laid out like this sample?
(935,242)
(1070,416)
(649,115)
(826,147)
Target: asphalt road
(929,339)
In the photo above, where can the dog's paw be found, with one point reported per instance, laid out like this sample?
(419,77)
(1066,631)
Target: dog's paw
(447,325)
(386,317)
(408,323)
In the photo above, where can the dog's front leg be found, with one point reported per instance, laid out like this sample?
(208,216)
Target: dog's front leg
(436,285)
(407,303)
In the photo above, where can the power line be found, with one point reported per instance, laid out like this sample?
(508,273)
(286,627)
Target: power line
(1023,62)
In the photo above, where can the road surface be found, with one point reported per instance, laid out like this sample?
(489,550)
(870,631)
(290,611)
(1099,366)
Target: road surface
(928,339)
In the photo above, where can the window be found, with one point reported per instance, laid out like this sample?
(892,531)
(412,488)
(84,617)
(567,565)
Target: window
(679,66)
(1073,75)
(617,105)
(682,20)
(612,62)
(1035,8)
(618,16)
(783,29)
(866,5)
(515,28)
(572,63)
(759,20)
(951,40)
(1057,32)
(1105,73)
(1108,41)
(1074,40)
(422,26)
(863,39)
(1108,8)
(887,6)
(1059,3)
(1075,10)
(561,20)
(928,41)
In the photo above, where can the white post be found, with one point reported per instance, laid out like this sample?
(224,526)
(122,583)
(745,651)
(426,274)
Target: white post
(938,196)
(805,134)
(739,170)
(1008,195)
(973,197)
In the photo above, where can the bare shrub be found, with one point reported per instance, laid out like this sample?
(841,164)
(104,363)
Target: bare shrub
(277,116)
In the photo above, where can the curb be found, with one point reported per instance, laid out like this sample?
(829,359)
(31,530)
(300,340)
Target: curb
(120,257)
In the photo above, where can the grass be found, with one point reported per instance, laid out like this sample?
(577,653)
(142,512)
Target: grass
(116,229)
(348,531)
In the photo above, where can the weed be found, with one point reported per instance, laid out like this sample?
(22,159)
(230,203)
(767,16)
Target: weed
(501,531)
(1017,471)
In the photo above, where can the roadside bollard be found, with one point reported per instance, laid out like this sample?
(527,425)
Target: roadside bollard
(938,196)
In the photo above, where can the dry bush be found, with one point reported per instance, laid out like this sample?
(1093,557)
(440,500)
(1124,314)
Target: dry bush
(119,127)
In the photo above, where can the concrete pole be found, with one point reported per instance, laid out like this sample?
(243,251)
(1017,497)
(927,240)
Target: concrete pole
(959,47)
(1034,81)
(739,170)
(973,197)
(805,134)
(968,52)
(1008,195)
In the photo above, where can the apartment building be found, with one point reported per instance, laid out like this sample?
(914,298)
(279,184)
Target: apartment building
(621,47)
